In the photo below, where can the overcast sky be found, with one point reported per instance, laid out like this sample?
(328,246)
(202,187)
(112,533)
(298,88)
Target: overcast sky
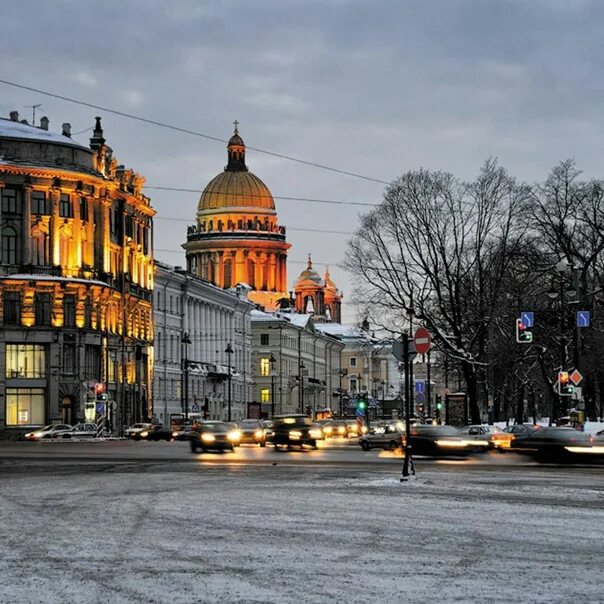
(373,87)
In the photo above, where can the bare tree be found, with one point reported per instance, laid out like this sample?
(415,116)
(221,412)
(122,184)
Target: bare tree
(442,247)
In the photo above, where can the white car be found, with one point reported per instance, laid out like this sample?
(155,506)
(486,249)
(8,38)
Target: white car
(136,429)
(79,431)
(47,432)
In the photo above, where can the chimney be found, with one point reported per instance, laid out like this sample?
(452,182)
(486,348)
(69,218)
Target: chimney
(14,116)
(66,129)
(44,123)
(97,140)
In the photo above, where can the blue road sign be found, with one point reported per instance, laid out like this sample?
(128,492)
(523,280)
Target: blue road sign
(195,407)
(583,318)
(100,408)
(528,318)
(419,398)
(420,386)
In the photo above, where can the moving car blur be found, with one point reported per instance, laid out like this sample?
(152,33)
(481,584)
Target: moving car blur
(252,431)
(437,440)
(294,430)
(561,444)
(153,432)
(382,437)
(78,431)
(214,435)
(48,432)
(136,429)
(485,437)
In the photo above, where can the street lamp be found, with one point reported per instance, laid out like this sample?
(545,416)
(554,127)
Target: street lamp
(272,361)
(229,351)
(408,356)
(301,387)
(185,341)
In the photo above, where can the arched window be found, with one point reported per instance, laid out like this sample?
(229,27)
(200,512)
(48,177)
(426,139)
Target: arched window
(39,248)
(10,246)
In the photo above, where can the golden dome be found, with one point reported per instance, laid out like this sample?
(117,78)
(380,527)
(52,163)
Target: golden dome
(236,187)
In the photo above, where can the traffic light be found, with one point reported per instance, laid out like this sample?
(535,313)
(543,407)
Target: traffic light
(362,403)
(439,402)
(565,388)
(100,394)
(523,334)
(420,409)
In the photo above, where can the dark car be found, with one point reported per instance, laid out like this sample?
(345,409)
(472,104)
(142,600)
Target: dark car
(437,441)
(381,437)
(212,435)
(252,431)
(559,444)
(153,432)
(181,432)
(294,431)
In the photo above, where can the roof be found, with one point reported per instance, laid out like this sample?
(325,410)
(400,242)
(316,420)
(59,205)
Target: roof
(236,189)
(10,129)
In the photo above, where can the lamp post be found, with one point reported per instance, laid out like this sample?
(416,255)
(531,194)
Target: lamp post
(272,361)
(301,387)
(565,289)
(185,341)
(229,351)
(408,356)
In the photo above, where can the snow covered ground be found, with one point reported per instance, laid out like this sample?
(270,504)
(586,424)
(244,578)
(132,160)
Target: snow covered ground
(188,533)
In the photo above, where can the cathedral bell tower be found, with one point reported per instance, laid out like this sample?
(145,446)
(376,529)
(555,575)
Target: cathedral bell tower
(237,238)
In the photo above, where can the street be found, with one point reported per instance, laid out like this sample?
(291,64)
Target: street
(132,522)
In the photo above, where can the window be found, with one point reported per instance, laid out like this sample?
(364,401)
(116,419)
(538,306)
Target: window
(128,225)
(25,361)
(353,385)
(24,406)
(42,307)
(83,209)
(39,248)
(12,308)
(263,339)
(65,206)
(9,246)
(265,395)
(69,310)
(92,362)
(11,201)
(39,203)
(265,367)
(353,361)
(227,273)
(69,359)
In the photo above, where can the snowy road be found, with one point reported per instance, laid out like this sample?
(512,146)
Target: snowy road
(172,530)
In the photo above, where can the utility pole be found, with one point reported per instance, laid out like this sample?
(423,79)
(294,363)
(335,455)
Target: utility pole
(429,387)
(407,460)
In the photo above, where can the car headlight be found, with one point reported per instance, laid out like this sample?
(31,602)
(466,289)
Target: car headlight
(314,433)
(443,442)
(341,429)
(364,429)
(234,435)
(207,437)
(259,434)
(476,443)
(174,434)
(144,434)
(327,430)
(38,434)
(295,434)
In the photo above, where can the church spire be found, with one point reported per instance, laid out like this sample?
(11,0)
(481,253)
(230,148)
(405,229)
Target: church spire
(309,265)
(236,152)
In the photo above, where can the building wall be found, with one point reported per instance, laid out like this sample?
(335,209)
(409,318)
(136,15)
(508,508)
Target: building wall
(212,319)
(75,279)
(293,344)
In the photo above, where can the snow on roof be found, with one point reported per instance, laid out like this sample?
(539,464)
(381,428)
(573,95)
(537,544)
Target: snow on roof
(336,329)
(10,129)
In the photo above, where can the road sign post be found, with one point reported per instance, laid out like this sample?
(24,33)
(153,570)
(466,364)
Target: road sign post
(421,339)
(583,318)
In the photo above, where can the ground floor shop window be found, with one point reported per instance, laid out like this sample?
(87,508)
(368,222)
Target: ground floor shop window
(24,406)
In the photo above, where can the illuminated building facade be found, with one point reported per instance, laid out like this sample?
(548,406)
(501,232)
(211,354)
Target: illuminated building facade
(76,279)
(237,238)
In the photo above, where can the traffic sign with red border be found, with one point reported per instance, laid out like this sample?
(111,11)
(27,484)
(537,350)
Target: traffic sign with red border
(421,339)
(575,377)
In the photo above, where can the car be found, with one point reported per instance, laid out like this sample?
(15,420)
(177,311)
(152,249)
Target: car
(181,432)
(153,432)
(560,444)
(213,435)
(436,441)
(294,430)
(252,432)
(381,437)
(48,432)
(136,429)
(268,430)
(484,437)
(78,431)
(318,431)
(353,430)
(516,432)
(325,426)
(337,428)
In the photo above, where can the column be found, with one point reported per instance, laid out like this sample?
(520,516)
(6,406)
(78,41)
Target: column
(220,269)
(272,270)
(54,194)
(283,274)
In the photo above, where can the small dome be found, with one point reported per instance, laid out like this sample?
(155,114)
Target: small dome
(310,274)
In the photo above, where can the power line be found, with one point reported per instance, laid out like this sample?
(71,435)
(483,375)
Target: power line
(288,228)
(192,132)
(252,195)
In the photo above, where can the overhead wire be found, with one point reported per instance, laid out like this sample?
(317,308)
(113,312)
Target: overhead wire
(191,132)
